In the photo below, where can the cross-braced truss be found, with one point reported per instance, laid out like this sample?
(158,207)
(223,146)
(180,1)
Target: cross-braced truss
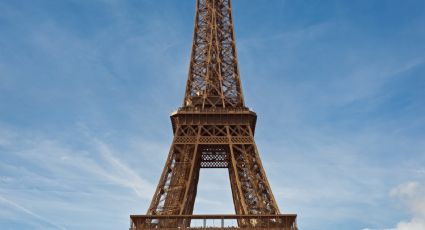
(213,75)
(213,146)
(213,129)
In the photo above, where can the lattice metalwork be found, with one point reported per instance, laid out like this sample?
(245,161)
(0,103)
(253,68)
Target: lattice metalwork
(214,157)
(213,129)
(213,75)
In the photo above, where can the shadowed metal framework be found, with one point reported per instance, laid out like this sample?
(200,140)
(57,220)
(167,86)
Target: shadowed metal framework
(213,129)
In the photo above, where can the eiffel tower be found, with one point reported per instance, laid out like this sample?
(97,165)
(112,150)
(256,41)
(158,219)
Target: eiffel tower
(213,129)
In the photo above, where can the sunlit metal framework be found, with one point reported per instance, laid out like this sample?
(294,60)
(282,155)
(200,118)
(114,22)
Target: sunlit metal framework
(213,129)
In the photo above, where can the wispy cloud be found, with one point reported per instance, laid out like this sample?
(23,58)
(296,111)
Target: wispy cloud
(122,174)
(45,172)
(29,212)
(378,229)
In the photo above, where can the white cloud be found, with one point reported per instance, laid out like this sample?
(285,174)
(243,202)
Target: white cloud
(413,195)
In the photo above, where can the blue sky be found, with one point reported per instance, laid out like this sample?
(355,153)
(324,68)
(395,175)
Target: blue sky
(86,89)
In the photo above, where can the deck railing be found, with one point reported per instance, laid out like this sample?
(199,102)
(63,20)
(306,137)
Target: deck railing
(168,222)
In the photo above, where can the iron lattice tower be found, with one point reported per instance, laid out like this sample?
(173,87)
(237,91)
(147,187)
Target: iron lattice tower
(213,129)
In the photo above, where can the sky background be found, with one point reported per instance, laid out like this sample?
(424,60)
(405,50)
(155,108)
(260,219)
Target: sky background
(87,87)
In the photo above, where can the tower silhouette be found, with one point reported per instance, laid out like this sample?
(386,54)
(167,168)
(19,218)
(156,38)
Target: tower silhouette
(213,129)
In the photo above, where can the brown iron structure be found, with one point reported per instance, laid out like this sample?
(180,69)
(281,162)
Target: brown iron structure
(213,129)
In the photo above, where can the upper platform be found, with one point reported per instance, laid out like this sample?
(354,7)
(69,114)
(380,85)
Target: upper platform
(214,116)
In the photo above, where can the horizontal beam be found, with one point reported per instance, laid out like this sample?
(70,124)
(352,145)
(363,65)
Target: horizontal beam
(215,140)
(214,216)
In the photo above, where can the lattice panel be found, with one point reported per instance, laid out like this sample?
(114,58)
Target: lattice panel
(185,140)
(242,140)
(215,159)
(213,140)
